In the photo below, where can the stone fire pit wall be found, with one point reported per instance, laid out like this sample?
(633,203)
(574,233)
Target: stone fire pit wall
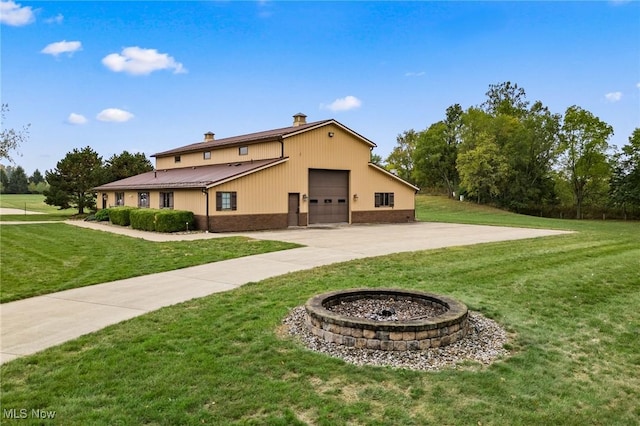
(417,334)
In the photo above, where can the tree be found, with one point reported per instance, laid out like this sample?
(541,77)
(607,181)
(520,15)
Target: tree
(4,180)
(506,98)
(401,158)
(71,182)
(625,180)
(18,182)
(584,159)
(482,167)
(376,159)
(125,165)
(436,152)
(11,139)
(36,177)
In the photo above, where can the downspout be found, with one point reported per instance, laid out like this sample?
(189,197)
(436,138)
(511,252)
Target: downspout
(205,191)
(281,148)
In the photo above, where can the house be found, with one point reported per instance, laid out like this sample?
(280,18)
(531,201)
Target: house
(308,173)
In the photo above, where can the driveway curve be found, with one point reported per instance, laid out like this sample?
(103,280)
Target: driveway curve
(34,324)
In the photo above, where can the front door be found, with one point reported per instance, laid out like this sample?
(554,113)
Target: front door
(294,209)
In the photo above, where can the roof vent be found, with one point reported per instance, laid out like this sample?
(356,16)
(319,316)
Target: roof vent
(299,119)
(209,136)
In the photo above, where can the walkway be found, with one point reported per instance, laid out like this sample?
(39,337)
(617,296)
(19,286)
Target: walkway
(31,325)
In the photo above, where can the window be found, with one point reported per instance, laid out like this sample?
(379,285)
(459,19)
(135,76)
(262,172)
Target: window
(143,199)
(166,200)
(119,198)
(243,150)
(226,201)
(176,159)
(206,155)
(384,199)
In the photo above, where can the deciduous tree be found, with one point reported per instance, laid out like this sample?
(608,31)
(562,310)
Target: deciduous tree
(401,158)
(584,160)
(11,139)
(625,181)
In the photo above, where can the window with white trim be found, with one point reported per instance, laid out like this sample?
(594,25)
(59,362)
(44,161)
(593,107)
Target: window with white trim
(143,199)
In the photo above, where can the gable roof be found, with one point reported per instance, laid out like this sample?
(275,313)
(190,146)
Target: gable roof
(265,136)
(396,177)
(191,177)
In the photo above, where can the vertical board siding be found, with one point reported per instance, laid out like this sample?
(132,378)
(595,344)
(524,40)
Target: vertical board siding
(260,151)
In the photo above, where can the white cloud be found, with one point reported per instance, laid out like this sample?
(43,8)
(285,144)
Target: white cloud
(76,118)
(55,20)
(415,74)
(114,114)
(343,104)
(613,96)
(638,85)
(15,15)
(137,61)
(63,46)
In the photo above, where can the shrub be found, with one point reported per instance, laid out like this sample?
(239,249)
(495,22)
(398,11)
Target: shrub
(121,215)
(174,220)
(143,219)
(101,215)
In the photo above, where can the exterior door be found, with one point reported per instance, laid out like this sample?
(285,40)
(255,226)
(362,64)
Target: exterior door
(328,196)
(294,209)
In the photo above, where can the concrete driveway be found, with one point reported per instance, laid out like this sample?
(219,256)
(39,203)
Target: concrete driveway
(31,325)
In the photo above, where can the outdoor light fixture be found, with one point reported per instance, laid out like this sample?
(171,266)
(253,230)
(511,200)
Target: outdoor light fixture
(331,134)
(304,197)
(355,197)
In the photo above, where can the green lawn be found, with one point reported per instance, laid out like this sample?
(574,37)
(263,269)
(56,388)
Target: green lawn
(70,257)
(32,203)
(571,304)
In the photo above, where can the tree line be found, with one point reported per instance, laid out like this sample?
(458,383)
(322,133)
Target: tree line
(520,156)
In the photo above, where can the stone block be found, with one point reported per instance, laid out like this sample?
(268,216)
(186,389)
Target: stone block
(386,345)
(413,345)
(373,344)
(356,332)
(408,335)
(368,334)
(400,345)
(361,343)
(424,344)
(395,335)
(382,335)
(349,341)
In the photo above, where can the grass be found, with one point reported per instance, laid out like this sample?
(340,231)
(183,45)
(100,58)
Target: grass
(32,203)
(570,303)
(70,257)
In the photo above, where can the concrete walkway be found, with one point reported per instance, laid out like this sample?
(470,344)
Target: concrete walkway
(31,325)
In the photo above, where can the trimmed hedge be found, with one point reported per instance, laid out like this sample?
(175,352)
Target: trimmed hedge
(121,215)
(162,220)
(174,221)
(143,219)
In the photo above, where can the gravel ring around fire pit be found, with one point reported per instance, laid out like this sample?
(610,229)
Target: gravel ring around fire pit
(483,344)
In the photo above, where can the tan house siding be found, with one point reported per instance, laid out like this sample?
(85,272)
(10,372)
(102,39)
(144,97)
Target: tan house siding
(262,190)
(258,151)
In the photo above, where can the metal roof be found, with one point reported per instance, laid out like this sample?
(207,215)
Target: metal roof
(267,135)
(190,177)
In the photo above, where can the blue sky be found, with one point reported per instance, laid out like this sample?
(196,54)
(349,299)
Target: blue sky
(150,76)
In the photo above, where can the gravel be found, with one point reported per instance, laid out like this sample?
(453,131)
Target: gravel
(483,344)
(386,309)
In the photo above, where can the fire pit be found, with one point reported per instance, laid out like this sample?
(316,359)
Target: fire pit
(387,319)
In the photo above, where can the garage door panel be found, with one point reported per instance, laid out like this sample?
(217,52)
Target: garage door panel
(328,196)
